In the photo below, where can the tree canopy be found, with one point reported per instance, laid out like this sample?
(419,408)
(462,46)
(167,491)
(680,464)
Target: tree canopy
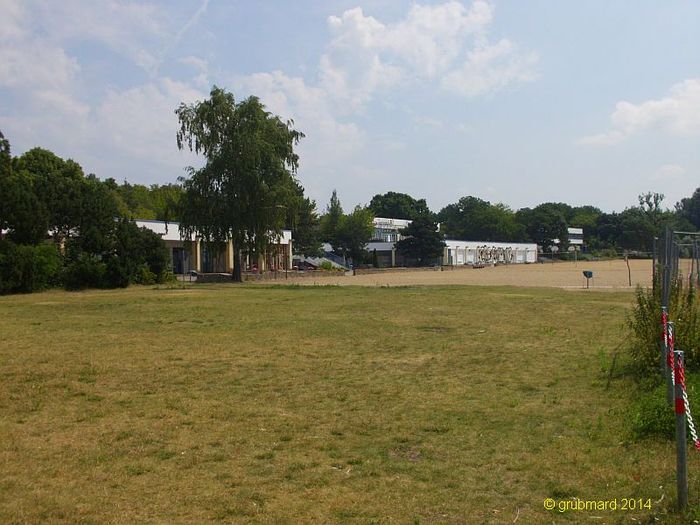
(247,185)
(395,205)
(475,219)
(42,195)
(421,241)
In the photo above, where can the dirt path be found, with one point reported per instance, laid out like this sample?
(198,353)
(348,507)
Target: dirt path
(606,275)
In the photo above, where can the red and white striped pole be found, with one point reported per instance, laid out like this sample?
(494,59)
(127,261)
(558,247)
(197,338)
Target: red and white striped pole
(670,365)
(681,440)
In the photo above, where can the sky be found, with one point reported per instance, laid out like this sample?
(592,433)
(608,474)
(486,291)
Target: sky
(516,102)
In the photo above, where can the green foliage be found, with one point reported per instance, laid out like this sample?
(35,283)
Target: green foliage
(644,324)
(354,232)
(139,254)
(545,223)
(247,184)
(689,209)
(145,276)
(652,417)
(326,265)
(330,222)
(84,271)
(347,234)
(395,205)
(137,201)
(422,241)
(26,268)
(305,224)
(478,220)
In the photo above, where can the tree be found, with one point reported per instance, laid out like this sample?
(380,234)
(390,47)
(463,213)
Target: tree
(305,225)
(394,205)
(650,205)
(607,231)
(543,224)
(689,209)
(421,241)
(243,191)
(330,222)
(637,229)
(354,232)
(475,219)
(57,185)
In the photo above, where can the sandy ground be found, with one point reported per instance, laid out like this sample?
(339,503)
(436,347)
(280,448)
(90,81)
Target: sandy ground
(607,275)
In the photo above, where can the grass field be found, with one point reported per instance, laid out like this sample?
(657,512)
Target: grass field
(320,404)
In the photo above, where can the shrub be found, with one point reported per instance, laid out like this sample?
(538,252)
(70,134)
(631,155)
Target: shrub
(644,323)
(326,265)
(120,272)
(145,276)
(166,276)
(84,271)
(653,417)
(28,268)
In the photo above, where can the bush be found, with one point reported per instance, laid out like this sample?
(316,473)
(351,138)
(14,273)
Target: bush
(653,417)
(119,273)
(84,271)
(26,269)
(325,265)
(145,276)
(166,276)
(644,323)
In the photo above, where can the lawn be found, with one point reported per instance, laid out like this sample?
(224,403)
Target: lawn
(320,404)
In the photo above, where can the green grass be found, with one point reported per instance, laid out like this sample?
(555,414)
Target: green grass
(319,404)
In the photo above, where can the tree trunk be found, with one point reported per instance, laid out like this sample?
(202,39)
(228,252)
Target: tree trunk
(236,275)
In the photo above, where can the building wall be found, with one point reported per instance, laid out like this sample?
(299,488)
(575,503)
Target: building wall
(194,254)
(387,230)
(474,252)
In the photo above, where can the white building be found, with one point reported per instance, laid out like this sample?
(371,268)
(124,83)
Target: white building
(575,239)
(478,252)
(386,234)
(387,230)
(193,254)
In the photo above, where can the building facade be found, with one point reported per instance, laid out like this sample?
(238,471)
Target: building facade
(195,254)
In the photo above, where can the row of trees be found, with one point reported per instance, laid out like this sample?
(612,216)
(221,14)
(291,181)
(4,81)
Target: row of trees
(247,191)
(61,227)
(472,218)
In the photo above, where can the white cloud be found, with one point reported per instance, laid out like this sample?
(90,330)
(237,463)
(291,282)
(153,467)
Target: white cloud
(13,13)
(669,173)
(140,121)
(491,68)
(677,114)
(202,66)
(36,64)
(131,29)
(422,122)
(445,45)
(445,42)
(311,109)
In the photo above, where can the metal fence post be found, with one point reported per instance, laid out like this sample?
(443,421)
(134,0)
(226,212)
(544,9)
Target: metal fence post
(681,442)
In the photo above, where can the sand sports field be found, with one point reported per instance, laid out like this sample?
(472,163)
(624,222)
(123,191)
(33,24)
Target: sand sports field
(607,275)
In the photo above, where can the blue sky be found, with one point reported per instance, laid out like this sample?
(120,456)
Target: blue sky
(516,102)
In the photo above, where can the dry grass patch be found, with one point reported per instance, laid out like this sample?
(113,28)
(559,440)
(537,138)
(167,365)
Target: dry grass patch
(289,405)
